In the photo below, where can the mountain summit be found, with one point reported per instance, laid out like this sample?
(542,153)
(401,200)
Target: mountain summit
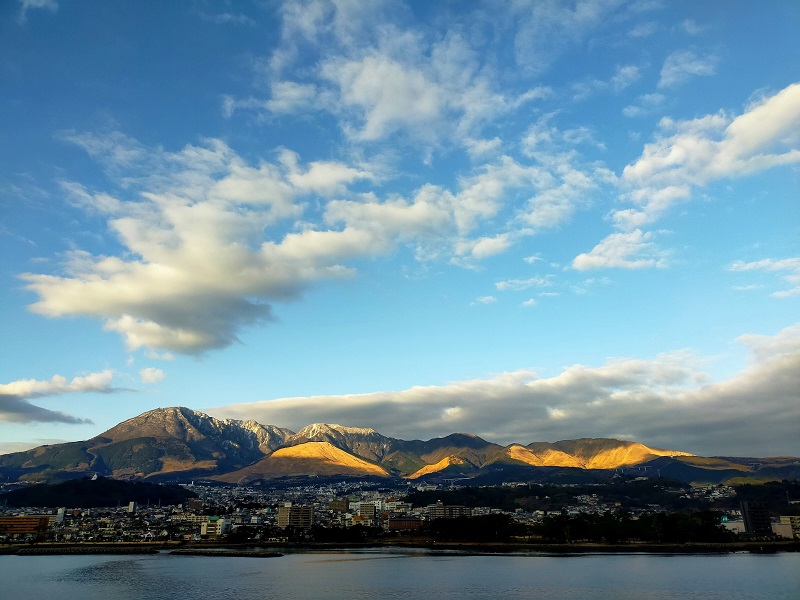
(178,443)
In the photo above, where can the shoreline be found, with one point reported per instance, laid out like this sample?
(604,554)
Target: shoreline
(274,550)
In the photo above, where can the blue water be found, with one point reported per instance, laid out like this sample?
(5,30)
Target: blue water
(382,573)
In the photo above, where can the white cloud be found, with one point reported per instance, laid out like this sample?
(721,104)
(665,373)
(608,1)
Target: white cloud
(666,401)
(32,388)
(693,153)
(289,96)
(326,178)
(790,265)
(529,303)
(561,182)
(16,408)
(515,285)
(426,91)
(387,94)
(381,78)
(682,65)
(625,76)
(486,300)
(198,266)
(630,250)
(211,241)
(479,148)
(484,247)
(151,375)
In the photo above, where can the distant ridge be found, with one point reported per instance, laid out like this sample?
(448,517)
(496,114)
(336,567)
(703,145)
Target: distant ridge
(179,443)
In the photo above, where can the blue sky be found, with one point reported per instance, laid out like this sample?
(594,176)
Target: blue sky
(531,221)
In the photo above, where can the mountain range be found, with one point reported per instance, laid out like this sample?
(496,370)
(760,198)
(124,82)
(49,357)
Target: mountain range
(180,444)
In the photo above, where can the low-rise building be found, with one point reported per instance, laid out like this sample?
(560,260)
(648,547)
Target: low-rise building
(23,526)
(793,521)
(215,527)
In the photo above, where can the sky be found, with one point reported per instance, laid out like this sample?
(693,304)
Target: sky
(530,221)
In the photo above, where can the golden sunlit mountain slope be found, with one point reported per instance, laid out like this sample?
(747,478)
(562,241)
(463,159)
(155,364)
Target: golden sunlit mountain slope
(542,457)
(582,454)
(309,459)
(446,463)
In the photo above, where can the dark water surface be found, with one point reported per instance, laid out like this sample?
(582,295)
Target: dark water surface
(384,573)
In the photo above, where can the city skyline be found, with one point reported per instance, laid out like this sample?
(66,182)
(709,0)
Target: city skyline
(529,221)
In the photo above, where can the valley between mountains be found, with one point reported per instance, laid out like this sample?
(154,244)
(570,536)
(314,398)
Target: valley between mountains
(180,444)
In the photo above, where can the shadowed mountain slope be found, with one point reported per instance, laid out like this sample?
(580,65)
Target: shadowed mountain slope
(179,443)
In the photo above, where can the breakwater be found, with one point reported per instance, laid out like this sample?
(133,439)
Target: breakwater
(65,550)
(227,553)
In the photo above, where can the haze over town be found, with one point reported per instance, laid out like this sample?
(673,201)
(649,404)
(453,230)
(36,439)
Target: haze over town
(529,221)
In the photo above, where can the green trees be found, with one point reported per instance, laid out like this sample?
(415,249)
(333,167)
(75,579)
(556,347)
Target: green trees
(658,528)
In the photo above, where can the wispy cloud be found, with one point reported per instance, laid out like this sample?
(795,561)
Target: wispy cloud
(516,285)
(682,65)
(789,266)
(227,18)
(28,5)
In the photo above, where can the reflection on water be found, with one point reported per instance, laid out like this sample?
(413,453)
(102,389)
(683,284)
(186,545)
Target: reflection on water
(371,574)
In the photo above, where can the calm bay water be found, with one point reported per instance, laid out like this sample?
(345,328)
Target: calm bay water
(383,573)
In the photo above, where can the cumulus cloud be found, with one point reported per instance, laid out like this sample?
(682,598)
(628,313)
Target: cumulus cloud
(387,94)
(666,401)
(16,408)
(198,267)
(212,241)
(151,375)
(689,154)
(32,388)
(629,250)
